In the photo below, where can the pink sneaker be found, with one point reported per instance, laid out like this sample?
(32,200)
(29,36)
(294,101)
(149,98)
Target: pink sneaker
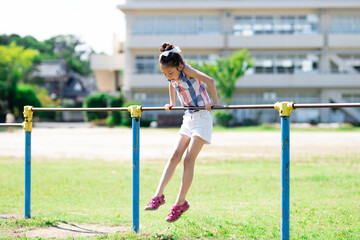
(155,203)
(176,212)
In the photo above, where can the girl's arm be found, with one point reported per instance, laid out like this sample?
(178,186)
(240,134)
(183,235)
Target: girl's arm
(210,83)
(172,98)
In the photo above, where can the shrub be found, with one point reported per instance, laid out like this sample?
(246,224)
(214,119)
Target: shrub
(126,116)
(46,101)
(25,95)
(146,123)
(223,118)
(115,117)
(97,100)
(250,122)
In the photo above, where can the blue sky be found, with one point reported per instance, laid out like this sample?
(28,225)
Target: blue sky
(94,21)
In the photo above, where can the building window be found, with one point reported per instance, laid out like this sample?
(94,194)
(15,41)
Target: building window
(157,25)
(351,97)
(285,24)
(144,25)
(351,61)
(285,64)
(154,100)
(345,24)
(147,64)
(198,57)
(256,115)
(264,64)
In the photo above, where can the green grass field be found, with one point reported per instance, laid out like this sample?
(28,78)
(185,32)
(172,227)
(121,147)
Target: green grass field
(230,199)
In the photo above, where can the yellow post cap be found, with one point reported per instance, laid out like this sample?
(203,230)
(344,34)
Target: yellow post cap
(284,108)
(28,114)
(135,111)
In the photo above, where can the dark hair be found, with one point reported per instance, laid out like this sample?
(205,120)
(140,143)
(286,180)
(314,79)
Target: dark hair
(173,59)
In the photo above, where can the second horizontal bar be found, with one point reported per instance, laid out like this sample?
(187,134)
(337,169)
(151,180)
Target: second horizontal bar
(79,109)
(260,106)
(325,105)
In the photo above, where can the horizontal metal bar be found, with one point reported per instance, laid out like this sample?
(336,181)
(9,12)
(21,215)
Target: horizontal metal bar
(147,108)
(79,109)
(260,106)
(326,105)
(10,125)
(214,107)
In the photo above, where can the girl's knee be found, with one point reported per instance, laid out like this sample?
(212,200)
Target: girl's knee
(175,158)
(189,163)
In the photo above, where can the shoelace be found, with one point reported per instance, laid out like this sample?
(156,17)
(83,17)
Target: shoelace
(154,201)
(175,211)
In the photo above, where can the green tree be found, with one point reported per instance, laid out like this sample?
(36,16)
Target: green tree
(45,49)
(15,65)
(70,48)
(67,47)
(26,42)
(226,72)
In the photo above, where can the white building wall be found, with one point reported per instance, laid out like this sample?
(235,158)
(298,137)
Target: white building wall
(325,81)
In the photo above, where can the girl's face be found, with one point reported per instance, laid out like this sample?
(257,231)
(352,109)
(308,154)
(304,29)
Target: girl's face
(172,73)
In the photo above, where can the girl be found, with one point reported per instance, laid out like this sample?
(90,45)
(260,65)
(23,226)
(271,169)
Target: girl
(196,128)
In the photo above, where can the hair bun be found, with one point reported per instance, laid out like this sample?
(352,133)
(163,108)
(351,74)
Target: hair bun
(166,46)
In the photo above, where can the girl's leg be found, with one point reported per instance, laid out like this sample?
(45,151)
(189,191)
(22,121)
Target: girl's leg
(172,163)
(195,147)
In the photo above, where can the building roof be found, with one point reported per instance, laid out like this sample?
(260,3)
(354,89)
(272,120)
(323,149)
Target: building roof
(231,4)
(51,69)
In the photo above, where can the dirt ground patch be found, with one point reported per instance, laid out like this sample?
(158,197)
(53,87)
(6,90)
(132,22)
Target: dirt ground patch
(115,144)
(64,230)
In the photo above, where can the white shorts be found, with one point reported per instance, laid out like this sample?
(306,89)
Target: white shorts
(197,124)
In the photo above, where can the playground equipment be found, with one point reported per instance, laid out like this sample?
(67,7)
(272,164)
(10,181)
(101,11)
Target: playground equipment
(284,108)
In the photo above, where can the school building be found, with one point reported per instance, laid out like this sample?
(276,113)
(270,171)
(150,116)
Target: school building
(307,51)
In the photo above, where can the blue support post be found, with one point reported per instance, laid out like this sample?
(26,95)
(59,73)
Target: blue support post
(285,109)
(136,172)
(136,114)
(285,178)
(27,125)
(27,174)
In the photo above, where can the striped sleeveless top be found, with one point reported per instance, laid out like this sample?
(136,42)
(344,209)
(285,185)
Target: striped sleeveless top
(191,92)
